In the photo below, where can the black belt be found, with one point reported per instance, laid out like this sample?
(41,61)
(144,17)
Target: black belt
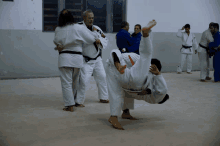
(207,50)
(87,59)
(186,47)
(70,52)
(203,47)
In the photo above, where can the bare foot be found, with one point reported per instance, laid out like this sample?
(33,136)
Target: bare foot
(150,25)
(115,123)
(208,78)
(128,116)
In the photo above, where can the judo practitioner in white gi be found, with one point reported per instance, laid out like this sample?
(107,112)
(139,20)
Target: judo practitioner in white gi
(71,37)
(203,53)
(188,41)
(93,65)
(123,81)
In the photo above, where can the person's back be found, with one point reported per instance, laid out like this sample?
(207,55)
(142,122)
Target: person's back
(122,40)
(71,38)
(206,36)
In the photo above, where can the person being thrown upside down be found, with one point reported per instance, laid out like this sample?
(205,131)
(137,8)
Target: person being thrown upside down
(135,81)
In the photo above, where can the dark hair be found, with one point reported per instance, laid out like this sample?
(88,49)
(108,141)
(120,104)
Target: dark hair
(124,24)
(138,25)
(216,25)
(211,24)
(187,26)
(157,63)
(65,18)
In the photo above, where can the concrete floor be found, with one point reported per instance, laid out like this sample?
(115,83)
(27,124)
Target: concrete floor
(31,115)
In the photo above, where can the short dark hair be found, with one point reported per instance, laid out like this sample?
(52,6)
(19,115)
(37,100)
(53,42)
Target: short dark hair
(124,24)
(216,25)
(65,18)
(187,26)
(157,63)
(138,25)
(211,24)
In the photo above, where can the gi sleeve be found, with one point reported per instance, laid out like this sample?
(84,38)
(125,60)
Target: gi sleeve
(179,33)
(159,86)
(216,41)
(86,36)
(135,46)
(56,40)
(195,44)
(129,39)
(104,41)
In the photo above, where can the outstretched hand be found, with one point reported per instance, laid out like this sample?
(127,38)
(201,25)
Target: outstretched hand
(154,70)
(97,41)
(120,68)
(59,48)
(94,29)
(103,35)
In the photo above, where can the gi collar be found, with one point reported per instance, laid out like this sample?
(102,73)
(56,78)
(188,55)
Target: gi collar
(90,28)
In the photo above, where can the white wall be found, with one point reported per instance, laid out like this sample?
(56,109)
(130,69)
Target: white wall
(21,14)
(172,15)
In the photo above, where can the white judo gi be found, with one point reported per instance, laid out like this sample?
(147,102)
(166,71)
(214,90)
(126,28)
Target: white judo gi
(203,55)
(135,78)
(94,67)
(186,54)
(71,37)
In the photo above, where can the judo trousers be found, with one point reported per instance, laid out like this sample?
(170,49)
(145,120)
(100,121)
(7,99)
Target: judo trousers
(204,64)
(98,71)
(216,66)
(188,59)
(118,100)
(69,77)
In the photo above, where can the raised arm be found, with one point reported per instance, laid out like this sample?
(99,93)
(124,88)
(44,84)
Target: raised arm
(85,35)
(179,33)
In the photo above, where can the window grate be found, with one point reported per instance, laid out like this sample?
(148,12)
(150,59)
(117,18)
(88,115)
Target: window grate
(116,11)
(8,0)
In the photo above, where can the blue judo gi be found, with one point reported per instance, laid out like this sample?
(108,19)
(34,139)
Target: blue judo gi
(216,57)
(136,38)
(124,40)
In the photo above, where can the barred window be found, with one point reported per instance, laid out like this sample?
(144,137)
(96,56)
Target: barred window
(50,15)
(108,14)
